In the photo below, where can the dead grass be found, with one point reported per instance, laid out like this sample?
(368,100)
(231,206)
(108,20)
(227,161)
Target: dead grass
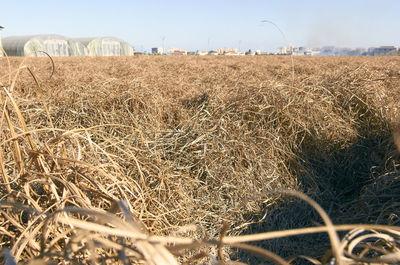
(115,159)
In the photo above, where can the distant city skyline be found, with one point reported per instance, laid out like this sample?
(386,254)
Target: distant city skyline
(209,25)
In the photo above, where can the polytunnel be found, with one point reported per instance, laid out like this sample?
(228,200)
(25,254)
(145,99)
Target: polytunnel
(106,46)
(54,45)
(76,48)
(126,49)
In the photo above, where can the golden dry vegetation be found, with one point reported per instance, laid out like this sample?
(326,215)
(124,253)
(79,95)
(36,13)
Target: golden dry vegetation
(173,159)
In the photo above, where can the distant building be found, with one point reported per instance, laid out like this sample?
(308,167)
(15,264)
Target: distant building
(225,51)
(385,50)
(157,50)
(293,50)
(303,51)
(250,52)
(337,51)
(176,51)
(281,50)
(357,52)
(201,53)
(315,51)
(370,50)
(327,51)
(232,54)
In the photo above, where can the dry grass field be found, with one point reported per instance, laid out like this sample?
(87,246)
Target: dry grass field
(166,160)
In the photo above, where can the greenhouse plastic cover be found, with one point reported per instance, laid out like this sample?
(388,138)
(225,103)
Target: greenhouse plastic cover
(54,45)
(106,46)
(57,45)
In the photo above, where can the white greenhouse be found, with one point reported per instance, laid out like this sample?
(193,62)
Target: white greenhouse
(76,48)
(106,46)
(126,49)
(55,45)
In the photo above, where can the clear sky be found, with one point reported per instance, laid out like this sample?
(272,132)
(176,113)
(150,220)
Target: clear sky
(198,25)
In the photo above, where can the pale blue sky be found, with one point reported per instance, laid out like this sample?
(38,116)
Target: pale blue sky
(197,25)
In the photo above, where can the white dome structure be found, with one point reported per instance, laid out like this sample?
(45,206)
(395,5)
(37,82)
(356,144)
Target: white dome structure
(76,48)
(106,46)
(126,49)
(54,45)
(57,45)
